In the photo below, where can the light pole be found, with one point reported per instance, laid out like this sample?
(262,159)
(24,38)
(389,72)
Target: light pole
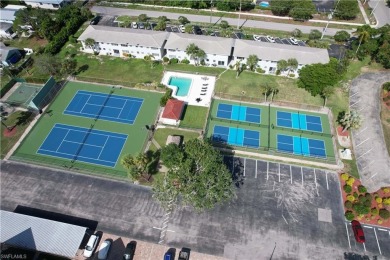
(375,7)
(239,16)
(211,10)
(329,18)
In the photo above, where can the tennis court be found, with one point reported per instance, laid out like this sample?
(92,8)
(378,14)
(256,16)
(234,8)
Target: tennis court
(299,121)
(109,107)
(239,113)
(83,144)
(236,136)
(301,146)
(23,94)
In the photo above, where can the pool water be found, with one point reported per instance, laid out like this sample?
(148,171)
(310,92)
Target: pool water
(183,85)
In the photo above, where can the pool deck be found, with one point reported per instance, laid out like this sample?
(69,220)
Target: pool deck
(195,91)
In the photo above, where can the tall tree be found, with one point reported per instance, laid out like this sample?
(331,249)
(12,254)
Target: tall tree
(195,53)
(252,61)
(69,66)
(274,90)
(143,17)
(198,175)
(342,36)
(265,90)
(302,10)
(90,43)
(326,93)
(136,167)
(363,33)
(346,9)
(238,67)
(183,20)
(292,64)
(48,64)
(281,7)
(150,58)
(351,120)
(282,65)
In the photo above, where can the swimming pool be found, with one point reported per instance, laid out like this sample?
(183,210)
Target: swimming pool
(183,85)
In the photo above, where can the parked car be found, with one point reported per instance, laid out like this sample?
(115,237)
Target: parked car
(169,255)
(148,26)
(91,245)
(197,30)
(182,28)
(134,25)
(270,38)
(141,25)
(95,20)
(256,38)
(104,249)
(358,231)
(184,254)
(293,41)
(130,250)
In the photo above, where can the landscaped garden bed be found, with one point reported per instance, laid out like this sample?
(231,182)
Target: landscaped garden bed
(368,208)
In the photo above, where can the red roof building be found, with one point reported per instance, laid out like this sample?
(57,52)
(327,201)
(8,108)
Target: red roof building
(172,111)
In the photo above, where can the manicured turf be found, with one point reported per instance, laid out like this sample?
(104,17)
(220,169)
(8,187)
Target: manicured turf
(136,133)
(269,130)
(194,117)
(161,135)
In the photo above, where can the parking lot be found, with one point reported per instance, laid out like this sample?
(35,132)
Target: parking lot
(278,40)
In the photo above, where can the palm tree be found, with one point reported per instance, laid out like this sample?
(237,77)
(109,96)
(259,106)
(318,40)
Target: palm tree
(252,62)
(150,58)
(89,42)
(274,90)
(363,33)
(195,53)
(326,93)
(200,55)
(351,120)
(282,65)
(265,89)
(292,64)
(135,166)
(237,66)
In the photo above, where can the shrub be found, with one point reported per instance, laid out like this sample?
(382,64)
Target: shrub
(231,67)
(386,201)
(349,215)
(291,75)
(380,205)
(72,39)
(164,99)
(367,203)
(362,189)
(374,211)
(361,209)
(296,33)
(348,204)
(341,36)
(362,199)
(351,198)
(165,59)
(160,85)
(260,70)
(277,72)
(368,196)
(386,86)
(185,61)
(378,200)
(347,188)
(386,190)
(380,221)
(356,195)
(174,61)
(344,176)
(350,181)
(384,213)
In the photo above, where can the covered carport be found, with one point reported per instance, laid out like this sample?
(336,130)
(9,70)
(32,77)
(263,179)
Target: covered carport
(38,234)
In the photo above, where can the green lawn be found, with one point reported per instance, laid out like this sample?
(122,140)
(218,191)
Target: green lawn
(250,83)
(194,117)
(161,135)
(136,133)
(21,120)
(195,69)
(21,42)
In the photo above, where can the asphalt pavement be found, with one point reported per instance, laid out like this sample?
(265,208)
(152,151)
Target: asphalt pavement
(203,18)
(289,212)
(381,12)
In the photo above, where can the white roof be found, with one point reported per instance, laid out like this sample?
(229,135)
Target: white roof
(40,234)
(120,35)
(15,7)
(210,44)
(5,26)
(276,52)
(45,1)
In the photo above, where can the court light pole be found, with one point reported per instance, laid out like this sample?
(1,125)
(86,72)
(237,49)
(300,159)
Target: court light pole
(211,10)
(239,17)
(330,16)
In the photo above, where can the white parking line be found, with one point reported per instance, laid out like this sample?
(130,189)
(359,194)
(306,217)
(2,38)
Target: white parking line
(290,174)
(346,228)
(381,229)
(267,169)
(315,180)
(380,252)
(327,184)
(367,226)
(279,172)
(244,165)
(302,175)
(256,171)
(285,219)
(364,245)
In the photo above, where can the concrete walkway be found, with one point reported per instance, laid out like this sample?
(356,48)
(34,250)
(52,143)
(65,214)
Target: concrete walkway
(363,13)
(368,142)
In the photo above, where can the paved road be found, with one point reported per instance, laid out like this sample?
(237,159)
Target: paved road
(296,211)
(368,141)
(205,19)
(381,12)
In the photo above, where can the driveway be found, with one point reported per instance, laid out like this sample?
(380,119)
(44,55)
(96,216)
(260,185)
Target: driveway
(287,211)
(202,18)
(368,141)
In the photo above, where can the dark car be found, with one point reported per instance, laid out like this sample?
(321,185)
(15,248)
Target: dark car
(358,231)
(170,254)
(95,20)
(197,30)
(130,250)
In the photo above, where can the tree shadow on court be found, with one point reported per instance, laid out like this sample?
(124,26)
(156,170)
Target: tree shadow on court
(353,256)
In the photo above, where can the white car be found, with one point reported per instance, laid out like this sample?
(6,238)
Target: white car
(270,38)
(293,41)
(91,245)
(103,249)
(134,25)
(182,28)
(256,38)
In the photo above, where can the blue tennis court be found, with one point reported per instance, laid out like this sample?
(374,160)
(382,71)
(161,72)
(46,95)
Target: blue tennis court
(301,146)
(236,136)
(83,144)
(104,106)
(299,121)
(239,113)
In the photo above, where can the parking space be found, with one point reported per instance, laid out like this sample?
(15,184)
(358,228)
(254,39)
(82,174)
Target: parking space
(278,40)
(108,20)
(377,240)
